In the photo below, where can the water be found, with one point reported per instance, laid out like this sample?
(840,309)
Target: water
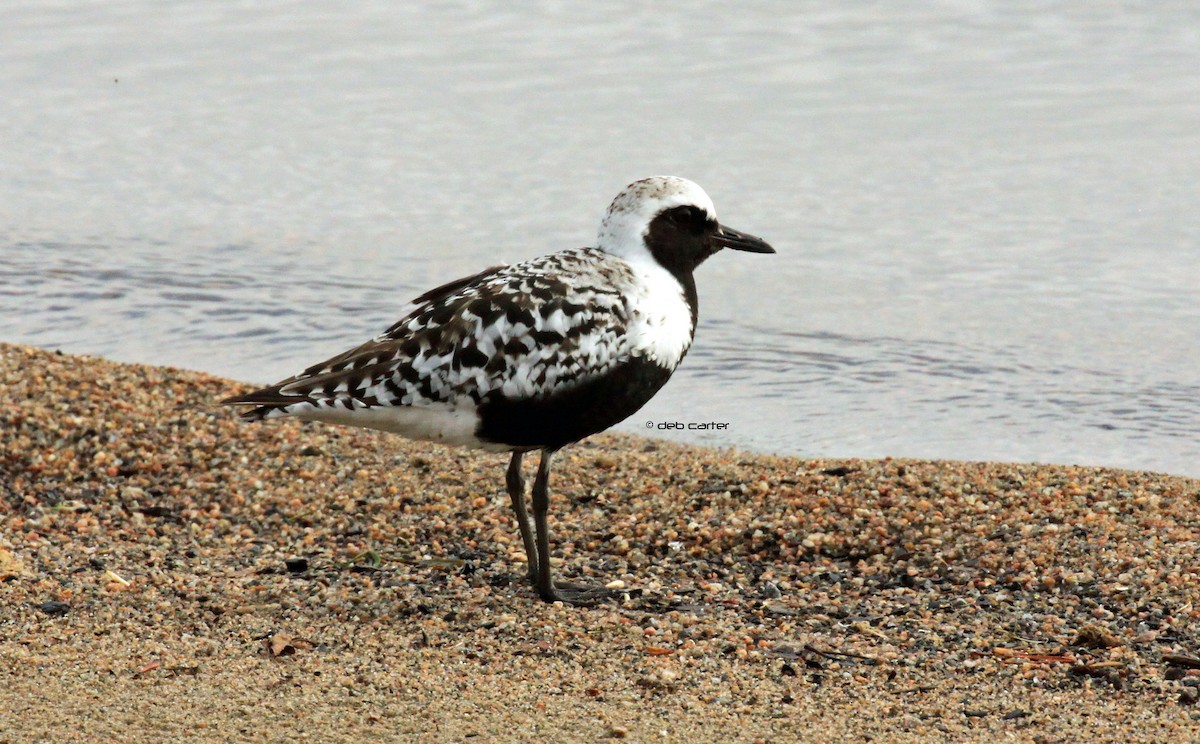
(986,213)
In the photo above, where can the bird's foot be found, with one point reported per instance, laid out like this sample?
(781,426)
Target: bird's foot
(579,595)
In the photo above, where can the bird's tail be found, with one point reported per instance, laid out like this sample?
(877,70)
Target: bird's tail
(267,403)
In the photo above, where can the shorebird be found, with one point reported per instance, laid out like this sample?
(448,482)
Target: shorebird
(533,356)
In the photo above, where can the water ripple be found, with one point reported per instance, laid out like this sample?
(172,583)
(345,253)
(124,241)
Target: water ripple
(784,390)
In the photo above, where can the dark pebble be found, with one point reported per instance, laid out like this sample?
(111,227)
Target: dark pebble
(54,608)
(296,565)
(157,511)
(839,472)
(1180,660)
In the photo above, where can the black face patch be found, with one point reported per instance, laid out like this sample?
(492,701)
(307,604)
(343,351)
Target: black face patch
(681,238)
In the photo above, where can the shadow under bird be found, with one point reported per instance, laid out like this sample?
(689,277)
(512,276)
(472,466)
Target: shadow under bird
(533,356)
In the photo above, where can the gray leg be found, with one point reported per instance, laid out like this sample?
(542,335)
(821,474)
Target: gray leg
(541,505)
(574,594)
(516,492)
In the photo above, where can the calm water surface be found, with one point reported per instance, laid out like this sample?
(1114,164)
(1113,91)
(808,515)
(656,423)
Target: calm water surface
(986,213)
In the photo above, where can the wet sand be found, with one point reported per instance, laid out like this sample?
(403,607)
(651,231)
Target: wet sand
(168,572)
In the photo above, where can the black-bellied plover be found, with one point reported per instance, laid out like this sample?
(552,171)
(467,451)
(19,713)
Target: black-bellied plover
(532,356)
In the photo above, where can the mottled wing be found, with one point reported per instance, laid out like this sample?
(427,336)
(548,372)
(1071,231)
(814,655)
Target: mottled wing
(353,367)
(513,332)
(437,294)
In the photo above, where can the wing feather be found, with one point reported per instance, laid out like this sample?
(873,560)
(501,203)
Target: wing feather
(517,331)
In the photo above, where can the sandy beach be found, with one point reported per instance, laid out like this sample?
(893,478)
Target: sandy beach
(167,573)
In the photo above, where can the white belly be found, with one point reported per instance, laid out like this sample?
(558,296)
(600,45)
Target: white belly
(431,423)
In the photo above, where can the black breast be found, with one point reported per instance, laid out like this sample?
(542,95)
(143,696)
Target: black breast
(568,416)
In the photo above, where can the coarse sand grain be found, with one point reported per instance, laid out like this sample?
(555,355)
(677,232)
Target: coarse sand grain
(167,573)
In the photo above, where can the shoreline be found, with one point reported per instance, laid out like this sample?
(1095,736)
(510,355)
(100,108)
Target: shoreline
(168,571)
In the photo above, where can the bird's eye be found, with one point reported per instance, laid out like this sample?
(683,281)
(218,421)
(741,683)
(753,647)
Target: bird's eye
(692,218)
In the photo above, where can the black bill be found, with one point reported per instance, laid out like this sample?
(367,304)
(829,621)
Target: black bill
(727,237)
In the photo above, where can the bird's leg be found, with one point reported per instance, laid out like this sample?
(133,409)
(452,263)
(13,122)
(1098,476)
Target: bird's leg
(516,492)
(541,505)
(546,588)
